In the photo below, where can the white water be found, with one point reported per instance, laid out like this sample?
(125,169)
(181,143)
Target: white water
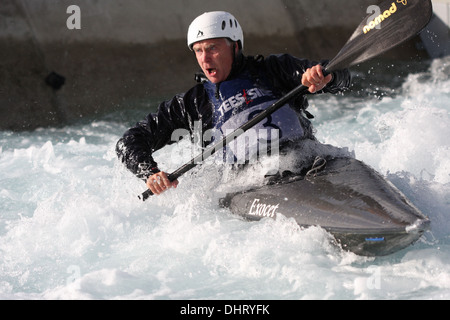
(71,226)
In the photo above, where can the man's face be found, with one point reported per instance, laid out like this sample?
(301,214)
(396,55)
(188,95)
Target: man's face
(215,57)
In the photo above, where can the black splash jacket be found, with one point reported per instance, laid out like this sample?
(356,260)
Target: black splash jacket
(284,72)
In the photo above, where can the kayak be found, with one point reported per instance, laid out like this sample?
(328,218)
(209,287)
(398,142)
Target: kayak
(365,213)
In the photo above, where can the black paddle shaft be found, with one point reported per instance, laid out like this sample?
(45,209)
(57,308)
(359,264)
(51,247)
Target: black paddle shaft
(399,20)
(230,137)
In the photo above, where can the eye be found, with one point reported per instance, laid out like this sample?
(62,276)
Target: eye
(211,48)
(198,51)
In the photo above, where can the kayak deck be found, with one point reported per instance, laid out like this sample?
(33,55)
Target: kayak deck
(365,213)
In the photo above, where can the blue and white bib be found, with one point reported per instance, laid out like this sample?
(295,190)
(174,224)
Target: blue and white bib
(239,100)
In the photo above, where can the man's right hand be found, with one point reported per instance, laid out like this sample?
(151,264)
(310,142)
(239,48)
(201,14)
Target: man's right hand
(159,183)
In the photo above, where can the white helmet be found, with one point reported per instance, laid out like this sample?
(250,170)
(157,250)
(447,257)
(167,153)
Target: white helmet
(216,24)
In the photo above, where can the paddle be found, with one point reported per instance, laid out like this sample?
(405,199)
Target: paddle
(399,21)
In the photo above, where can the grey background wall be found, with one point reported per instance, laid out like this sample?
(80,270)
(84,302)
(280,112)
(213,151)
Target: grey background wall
(131,50)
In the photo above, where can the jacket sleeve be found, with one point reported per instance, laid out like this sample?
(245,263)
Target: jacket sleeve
(136,147)
(287,71)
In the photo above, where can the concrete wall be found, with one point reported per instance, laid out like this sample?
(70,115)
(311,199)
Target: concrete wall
(134,50)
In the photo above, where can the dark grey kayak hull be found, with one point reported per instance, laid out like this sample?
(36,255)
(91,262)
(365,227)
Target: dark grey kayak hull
(366,214)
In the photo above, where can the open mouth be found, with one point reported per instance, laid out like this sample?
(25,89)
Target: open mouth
(212,71)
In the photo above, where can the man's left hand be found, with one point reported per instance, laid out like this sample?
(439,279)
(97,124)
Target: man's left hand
(314,79)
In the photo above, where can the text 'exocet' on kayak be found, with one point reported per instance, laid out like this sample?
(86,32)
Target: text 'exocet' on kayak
(227,309)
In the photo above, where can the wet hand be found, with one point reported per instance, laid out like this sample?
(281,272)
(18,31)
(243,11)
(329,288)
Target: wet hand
(159,183)
(314,79)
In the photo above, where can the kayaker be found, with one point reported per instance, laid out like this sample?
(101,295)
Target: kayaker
(230,90)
